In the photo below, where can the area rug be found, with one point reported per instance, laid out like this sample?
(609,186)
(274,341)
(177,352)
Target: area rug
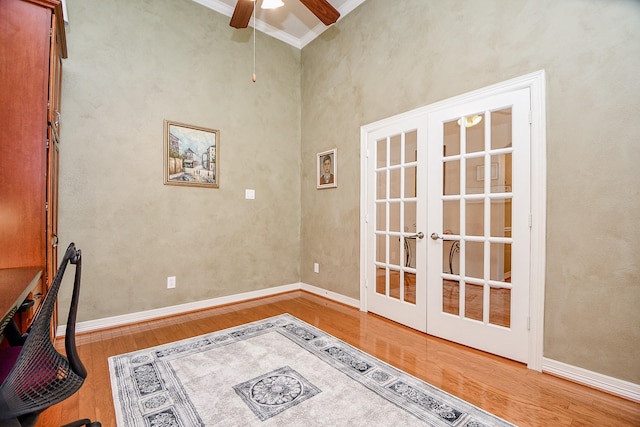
(278,371)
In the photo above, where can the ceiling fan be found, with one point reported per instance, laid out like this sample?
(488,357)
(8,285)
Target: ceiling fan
(320,8)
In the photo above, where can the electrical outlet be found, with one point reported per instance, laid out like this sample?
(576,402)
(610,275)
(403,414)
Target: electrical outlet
(171,282)
(316,267)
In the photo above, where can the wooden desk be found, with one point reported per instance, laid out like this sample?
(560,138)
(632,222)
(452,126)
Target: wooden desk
(15,286)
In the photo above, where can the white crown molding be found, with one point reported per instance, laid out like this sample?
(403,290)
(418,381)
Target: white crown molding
(276,33)
(261,26)
(344,10)
(218,6)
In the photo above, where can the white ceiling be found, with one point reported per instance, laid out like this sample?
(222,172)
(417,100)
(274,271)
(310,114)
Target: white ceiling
(293,23)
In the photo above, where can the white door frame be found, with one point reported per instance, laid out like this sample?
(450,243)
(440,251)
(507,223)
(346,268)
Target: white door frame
(536,82)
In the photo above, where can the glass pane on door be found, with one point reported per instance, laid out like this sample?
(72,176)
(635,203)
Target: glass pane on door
(476,217)
(396,210)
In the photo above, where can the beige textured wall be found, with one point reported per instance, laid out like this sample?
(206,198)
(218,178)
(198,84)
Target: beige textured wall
(389,57)
(131,65)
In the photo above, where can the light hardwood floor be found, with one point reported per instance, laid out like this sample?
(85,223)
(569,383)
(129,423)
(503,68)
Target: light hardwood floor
(505,388)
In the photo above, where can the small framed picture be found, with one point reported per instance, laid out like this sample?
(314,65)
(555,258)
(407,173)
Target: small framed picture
(191,155)
(480,172)
(327,172)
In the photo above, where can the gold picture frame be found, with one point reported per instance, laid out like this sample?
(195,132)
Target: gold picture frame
(191,155)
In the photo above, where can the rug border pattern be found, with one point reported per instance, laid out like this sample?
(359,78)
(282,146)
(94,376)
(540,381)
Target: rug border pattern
(427,403)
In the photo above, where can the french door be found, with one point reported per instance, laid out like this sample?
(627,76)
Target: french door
(396,273)
(447,244)
(478,219)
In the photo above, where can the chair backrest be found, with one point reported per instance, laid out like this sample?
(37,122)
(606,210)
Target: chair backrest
(41,376)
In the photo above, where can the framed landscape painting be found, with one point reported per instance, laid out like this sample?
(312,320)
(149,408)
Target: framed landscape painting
(191,155)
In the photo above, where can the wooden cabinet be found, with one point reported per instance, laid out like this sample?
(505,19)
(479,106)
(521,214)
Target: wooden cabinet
(32,45)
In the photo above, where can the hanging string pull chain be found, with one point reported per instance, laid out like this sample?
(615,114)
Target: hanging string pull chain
(254,41)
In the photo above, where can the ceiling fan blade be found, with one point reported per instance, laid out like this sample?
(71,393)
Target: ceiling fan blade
(241,14)
(323,10)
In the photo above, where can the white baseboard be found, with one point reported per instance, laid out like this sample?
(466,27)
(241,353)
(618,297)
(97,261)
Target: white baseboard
(142,316)
(352,302)
(606,383)
(611,385)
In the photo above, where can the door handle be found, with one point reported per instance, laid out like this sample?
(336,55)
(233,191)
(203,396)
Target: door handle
(419,235)
(435,236)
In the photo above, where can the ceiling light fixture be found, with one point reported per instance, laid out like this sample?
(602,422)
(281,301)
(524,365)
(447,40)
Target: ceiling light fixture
(471,121)
(272,4)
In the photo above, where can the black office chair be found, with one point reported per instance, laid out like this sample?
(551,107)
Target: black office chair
(9,327)
(36,376)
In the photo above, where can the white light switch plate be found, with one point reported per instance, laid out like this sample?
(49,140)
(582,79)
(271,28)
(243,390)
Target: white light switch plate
(249,194)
